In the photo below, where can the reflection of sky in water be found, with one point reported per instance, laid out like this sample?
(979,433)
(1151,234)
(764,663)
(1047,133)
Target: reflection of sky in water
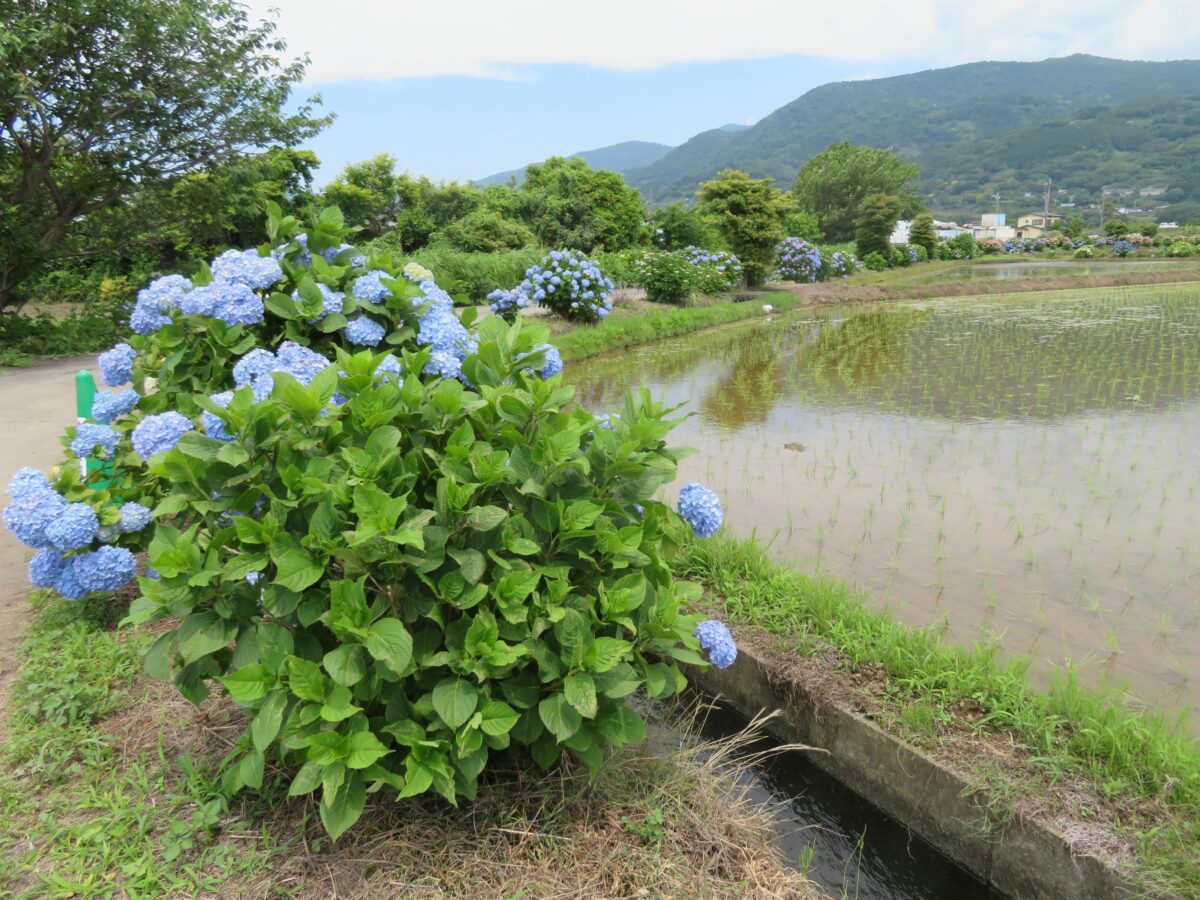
(1025,468)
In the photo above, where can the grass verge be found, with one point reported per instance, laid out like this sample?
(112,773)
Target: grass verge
(109,786)
(1072,751)
(643,323)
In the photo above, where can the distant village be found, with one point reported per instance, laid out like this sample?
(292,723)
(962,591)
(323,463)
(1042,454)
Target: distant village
(1036,224)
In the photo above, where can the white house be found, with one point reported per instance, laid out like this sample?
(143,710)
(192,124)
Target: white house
(901,232)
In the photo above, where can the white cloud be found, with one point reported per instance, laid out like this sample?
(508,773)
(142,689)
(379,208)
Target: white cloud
(379,41)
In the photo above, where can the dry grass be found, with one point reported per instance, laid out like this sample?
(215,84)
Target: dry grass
(554,834)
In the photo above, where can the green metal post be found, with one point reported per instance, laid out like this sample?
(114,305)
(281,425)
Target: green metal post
(85,396)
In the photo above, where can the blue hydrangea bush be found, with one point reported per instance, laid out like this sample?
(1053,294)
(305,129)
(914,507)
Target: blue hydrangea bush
(798,260)
(401,557)
(718,271)
(564,281)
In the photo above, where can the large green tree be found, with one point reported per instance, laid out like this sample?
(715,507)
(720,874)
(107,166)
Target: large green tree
(833,184)
(923,234)
(877,218)
(574,205)
(746,211)
(103,100)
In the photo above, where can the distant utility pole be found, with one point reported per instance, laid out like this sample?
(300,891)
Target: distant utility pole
(1046,204)
(996,197)
(1103,196)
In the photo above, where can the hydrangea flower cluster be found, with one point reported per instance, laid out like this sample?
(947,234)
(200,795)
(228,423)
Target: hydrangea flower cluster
(364,331)
(155,434)
(155,300)
(840,263)
(1123,247)
(719,261)
(572,286)
(116,365)
(369,289)
(716,638)
(256,367)
(701,509)
(507,303)
(553,365)
(42,519)
(797,260)
(246,267)
(111,405)
(232,302)
(212,424)
(88,437)
(441,331)
(416,273)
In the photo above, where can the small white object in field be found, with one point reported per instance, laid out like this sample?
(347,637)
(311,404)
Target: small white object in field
(767,307)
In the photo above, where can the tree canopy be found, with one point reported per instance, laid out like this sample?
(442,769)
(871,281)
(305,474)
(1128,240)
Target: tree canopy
(102,100)
(833,184)
(574,205)
(746,211)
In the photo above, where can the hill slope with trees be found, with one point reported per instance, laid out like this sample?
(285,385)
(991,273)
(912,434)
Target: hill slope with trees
(974,129)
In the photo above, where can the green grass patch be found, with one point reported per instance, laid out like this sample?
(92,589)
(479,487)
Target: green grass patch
(110,785)
(638,326)
(1069,731)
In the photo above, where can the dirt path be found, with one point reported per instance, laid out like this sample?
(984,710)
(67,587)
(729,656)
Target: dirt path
(36,404)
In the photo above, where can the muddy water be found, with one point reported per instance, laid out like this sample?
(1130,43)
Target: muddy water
(1021,469)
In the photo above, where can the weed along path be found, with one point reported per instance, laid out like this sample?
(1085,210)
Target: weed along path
(36,404)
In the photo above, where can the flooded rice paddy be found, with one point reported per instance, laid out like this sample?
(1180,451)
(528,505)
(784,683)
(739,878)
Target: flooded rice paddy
(1017,468)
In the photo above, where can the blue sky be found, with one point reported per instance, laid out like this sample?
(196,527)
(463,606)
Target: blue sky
(456,127)
(461,89)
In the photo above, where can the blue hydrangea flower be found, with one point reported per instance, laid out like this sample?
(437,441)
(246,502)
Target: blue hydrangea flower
(68,584)
(300,362)
(370,289)
(392,368)
(247,268)
(255,363)
(29,514)
(553,365)
(146,319)
(718,641)
(111,405)
(88,437)
(74,527)
(165,293)
(160,296)
(329,254)
(105,569)
(253,577)
(134,516)
(212,424)
(363,331)
(154,434)
(46,567)
(232,302)
(106,534)
(116,365)
(28,481)
(700,508)
(446,365)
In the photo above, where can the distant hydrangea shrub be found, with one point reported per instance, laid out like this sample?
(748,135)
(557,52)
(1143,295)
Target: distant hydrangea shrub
(571,285)
(1123,247)
(798,260)
(668,277)
(875,262)
(400,562)
(718,270)
(840,264)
